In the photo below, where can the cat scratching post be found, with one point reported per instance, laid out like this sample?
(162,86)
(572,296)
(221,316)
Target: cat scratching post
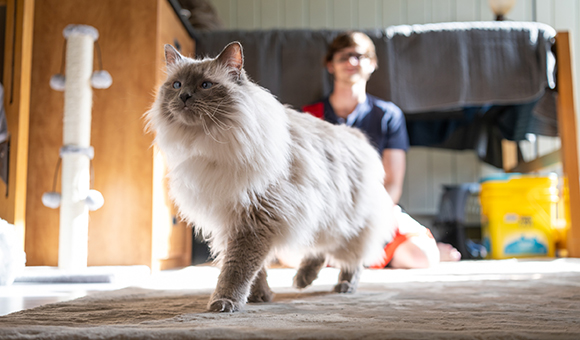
(76,152)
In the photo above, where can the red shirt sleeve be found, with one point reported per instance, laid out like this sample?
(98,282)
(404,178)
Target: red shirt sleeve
(317,110)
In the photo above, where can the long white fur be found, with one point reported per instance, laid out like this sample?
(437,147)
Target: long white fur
(271,151)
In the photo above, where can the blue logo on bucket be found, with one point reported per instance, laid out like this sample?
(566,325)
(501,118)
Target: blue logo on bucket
(526,246)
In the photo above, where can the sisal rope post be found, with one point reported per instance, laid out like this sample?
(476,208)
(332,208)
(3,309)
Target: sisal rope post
(76,153)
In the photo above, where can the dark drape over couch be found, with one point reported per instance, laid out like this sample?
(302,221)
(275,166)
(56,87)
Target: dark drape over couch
(461,85)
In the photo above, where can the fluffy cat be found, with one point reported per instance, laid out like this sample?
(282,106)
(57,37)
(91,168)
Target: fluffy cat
(257,178)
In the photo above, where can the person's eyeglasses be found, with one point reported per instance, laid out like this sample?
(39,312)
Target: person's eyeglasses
(344,57)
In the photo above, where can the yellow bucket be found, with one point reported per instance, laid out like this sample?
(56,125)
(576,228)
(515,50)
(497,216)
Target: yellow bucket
(520,215)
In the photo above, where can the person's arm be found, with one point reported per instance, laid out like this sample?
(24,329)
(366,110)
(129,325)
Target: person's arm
(394,162)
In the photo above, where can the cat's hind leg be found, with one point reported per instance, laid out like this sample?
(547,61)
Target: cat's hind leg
(348,280)
(260,290)
(308,270)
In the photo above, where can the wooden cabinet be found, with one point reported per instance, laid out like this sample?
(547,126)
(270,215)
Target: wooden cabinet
(136,224)
(16,82)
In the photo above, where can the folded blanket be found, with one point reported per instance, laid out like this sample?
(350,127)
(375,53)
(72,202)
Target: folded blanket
(443,66)
(422,68)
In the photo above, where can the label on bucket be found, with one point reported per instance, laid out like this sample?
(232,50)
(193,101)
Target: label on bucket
(510,218)
(526,244)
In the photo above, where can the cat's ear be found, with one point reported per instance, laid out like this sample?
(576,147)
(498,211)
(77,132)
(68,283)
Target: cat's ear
(171,55)
(232,58)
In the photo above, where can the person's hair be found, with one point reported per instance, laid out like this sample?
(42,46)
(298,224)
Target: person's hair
(351,39)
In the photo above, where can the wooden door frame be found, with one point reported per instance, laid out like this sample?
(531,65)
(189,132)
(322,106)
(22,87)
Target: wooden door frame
(568,130)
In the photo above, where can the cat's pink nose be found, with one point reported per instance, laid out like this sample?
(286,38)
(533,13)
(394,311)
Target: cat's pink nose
(184,97)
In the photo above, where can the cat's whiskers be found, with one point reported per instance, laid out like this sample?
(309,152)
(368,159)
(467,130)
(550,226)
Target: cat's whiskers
(217,122)
(206,109)
(223,126)
(208,132)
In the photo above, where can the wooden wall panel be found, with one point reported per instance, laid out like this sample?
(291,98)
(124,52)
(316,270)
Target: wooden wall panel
(419,11)
(226,13)
(567,18)
(548,144)
(404,200)
(467,10)
(442,11)
(270,14)
(440,175)
(544,12)
(522,11)
(418,186)
(319,17)
(394,12)
(369,15)
(247,18)
(485,13)
(295,14)
(465,167)
(343,14)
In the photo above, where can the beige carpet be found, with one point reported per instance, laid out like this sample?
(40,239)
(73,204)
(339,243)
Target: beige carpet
(467,300)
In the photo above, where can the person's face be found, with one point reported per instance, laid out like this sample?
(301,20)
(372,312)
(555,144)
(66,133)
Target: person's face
(351,65)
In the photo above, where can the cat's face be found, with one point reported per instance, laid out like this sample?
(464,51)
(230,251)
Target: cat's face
(199,93)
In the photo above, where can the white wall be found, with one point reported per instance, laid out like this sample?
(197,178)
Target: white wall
(427,169)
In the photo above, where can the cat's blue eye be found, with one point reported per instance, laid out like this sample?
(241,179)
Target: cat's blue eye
(206,85)
(176,85)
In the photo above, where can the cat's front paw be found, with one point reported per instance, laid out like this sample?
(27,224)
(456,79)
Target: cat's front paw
(345,287)
(222,306)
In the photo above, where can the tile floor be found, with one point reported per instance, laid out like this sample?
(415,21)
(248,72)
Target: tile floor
(19,296)
(41,285)
(24,295)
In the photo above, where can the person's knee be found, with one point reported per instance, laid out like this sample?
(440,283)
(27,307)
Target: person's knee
(420,259)
(410,256)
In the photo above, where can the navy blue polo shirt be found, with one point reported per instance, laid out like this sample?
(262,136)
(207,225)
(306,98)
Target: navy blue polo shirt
(383,122)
